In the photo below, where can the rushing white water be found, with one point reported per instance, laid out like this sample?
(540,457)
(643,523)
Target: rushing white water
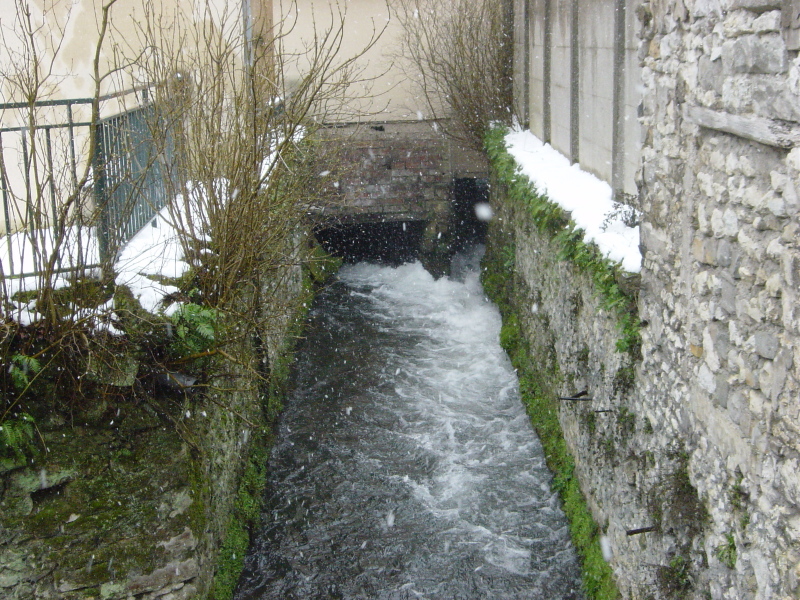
(406,466)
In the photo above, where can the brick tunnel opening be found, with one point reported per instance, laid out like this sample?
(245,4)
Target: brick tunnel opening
(432,241)
(391,243)
(465,225)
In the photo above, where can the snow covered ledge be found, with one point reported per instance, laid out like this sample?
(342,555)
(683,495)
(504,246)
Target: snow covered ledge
(587,198)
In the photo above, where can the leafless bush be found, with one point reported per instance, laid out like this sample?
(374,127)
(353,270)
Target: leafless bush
(238,113)
(459,54)
(243,115)
(51,203)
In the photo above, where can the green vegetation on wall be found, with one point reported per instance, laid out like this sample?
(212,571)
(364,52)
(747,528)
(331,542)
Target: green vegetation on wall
(318,268)
(245,516)
(551,220)
(538,376)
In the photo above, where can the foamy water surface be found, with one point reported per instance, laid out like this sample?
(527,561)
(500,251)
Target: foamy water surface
(406,466)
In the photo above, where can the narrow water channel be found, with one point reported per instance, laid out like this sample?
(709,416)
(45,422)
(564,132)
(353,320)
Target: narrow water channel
(405,465)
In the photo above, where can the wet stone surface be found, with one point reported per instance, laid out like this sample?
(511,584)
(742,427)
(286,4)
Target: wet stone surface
(105,513)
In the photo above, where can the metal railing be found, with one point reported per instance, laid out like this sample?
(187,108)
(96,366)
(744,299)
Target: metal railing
(131,163)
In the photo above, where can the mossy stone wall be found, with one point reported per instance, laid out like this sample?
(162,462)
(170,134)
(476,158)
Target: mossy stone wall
(621,484)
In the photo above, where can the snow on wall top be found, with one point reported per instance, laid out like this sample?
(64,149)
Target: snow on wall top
(588,198)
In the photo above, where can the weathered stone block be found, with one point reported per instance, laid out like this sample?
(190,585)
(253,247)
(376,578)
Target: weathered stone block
(790,264)
(776,205)
(725,223)
(738,22)
(756,403)
(653,239)
(766,95)
(161,578)
(704,250)
(766,344)
(710,75)
(768,22)
(706,379)
(755,54)
(722,391)
(754,5)
(711,350)
(775,249)
(790,199)
(727,293)
(724,256)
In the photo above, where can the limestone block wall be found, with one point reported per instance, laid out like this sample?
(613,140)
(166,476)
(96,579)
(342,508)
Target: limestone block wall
(635,471)
(691,466)
(721,362)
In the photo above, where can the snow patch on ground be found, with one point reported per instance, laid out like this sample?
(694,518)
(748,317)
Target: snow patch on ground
(154,252)
(588,198)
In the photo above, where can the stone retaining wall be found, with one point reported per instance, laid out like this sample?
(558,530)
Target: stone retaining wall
(145,495)
(689,459)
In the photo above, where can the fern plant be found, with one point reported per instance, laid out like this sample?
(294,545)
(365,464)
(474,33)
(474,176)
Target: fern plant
(195,329)
(21,369)
(16,437)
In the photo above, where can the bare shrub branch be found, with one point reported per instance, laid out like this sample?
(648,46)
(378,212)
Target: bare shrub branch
(458,52)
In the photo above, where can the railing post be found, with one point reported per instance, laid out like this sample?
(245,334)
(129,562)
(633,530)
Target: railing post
(6,216)
(100,200)
(51,176)
(72,160)
(26,166)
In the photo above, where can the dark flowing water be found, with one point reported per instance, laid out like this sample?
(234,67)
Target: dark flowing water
(406,466)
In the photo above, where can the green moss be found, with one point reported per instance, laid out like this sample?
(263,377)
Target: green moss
(537,381)
(320,266)
(245,516)
(726,553)
(674,579)
(738,494)
(626,421)
(231,560)
(583,357)
(551,220)
(589,419)
(624,379)
(686,504)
